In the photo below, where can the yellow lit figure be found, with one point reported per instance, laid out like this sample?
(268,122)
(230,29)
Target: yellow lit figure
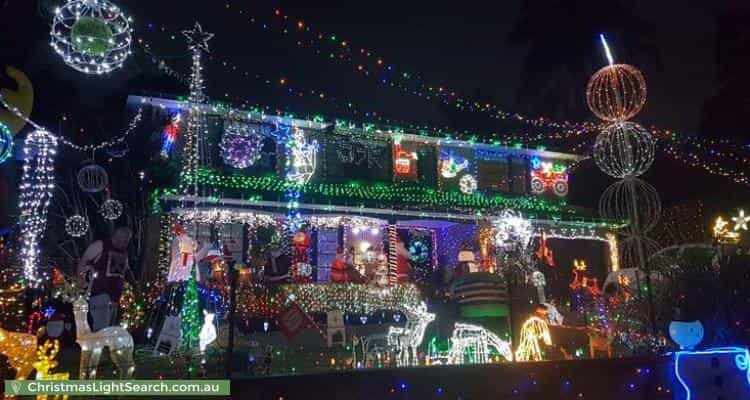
(723,234)
(19,348)
(46,363)
(532,331)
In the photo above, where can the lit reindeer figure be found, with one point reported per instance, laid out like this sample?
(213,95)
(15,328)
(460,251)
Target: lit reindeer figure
(46,363)
(116,338)
(532,331)
(19,348)
(406,340)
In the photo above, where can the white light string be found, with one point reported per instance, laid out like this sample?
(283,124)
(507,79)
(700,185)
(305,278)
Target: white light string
(88,148)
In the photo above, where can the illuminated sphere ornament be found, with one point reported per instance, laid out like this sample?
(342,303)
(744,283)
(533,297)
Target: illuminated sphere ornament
(111,209)
(635,251)
(624,149)
(92,36)
(634,201)
(616,92)
(76,226)
(240,146)
(468,184)
(92,178)
(6,143)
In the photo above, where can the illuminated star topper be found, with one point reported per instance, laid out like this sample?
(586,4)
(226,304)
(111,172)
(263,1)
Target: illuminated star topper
(197,39)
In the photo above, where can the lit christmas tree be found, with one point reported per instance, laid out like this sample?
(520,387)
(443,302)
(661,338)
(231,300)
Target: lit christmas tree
(190,312)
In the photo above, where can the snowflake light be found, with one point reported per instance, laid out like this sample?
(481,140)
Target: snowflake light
(111,209)
(76,226)
(468,184)
(240,146)
(512,227)
(6,143)
(91,36)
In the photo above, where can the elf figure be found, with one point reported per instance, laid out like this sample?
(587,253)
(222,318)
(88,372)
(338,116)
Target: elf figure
(185,254)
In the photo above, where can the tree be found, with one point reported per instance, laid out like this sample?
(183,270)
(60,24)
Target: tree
(724,114)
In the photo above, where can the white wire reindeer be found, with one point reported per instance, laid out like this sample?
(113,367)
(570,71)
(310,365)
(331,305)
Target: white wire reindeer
(478,341)
(406,340)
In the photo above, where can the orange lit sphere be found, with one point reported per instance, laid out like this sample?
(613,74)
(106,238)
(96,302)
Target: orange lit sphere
(616,92)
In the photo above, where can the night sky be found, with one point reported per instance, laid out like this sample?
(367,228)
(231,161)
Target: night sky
(534,57)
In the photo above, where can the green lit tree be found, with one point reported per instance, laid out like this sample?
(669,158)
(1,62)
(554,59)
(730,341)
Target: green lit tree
(190,312)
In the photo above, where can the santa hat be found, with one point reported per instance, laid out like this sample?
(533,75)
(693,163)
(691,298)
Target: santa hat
(214,252)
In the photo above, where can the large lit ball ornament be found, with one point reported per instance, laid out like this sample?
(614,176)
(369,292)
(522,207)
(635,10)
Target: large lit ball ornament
(468,184)
(92,36)
(624,149)
(634,201)
(6,143)
(92,178)
(616,92)
(635,251)
(76,226)
(240,146)
(111,209)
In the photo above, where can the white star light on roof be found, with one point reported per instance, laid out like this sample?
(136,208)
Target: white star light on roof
(741,221)
(197,38)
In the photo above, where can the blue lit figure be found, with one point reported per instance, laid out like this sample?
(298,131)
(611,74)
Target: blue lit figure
(714,373)
(6,143)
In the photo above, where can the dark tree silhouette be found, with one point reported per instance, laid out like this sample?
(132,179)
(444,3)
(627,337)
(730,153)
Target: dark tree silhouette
(725,114)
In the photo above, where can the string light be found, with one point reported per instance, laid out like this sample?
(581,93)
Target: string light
(400,193)
(92,36)
(36,187)
(6,143)
(197,43)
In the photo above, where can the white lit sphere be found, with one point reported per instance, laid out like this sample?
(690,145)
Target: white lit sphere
(616,92)
(76,226)
(633,201)
(91,36)
(635,250)
(624,149)
(111,209)
(92,178)
(468,184)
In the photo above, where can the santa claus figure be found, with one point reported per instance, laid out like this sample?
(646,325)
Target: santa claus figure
(185,254)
